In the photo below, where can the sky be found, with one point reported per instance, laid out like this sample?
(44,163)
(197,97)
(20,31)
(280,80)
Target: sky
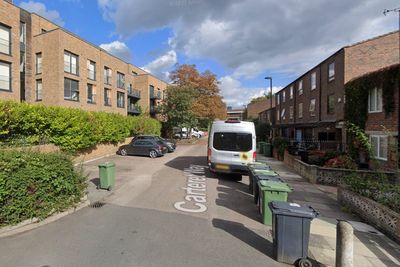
(241,41)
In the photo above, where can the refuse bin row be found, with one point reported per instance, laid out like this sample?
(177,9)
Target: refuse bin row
(290,221)
(265,148)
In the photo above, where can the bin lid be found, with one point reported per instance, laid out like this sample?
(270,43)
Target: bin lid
(271,185)
(293,209)
(107,164)
(259,167)
(268,177)
(265,172)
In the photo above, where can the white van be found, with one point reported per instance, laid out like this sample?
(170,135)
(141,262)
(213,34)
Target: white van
(231,146)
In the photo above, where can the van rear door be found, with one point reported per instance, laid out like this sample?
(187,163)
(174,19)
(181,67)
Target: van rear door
(233,147)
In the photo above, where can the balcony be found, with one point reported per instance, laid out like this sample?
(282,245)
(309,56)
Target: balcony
(155,109)
(155,94)
(134,109)
(133,93)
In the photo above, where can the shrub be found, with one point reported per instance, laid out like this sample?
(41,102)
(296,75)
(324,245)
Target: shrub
(36,185)
(280,144)
(70,129)
(343,161)
(377,188)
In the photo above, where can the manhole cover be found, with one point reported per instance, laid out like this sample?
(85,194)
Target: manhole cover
(97,205)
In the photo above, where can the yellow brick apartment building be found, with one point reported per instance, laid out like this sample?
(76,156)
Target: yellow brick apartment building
(41,62)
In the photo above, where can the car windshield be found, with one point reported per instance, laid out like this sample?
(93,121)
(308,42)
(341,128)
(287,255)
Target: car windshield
(233,141)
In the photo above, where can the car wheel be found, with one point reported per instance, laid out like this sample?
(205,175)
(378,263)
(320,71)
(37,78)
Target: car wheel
(123,152)
(153,154)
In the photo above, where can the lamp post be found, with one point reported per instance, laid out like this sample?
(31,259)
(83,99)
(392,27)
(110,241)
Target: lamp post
(270,107)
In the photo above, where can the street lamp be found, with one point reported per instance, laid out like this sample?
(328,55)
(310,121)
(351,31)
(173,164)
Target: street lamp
(270,108)
(270,87)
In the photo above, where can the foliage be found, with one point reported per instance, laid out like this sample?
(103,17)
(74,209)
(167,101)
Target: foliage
(262,130)
(36,185)
(280,144)
(377,188)
(356,106)
(207,103)
(259,99)
(70,129)
(359,141)
(343,162)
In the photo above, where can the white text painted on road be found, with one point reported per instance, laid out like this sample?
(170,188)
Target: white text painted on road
(195,191)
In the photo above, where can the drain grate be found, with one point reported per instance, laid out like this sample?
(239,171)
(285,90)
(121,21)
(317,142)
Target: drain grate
(97,205)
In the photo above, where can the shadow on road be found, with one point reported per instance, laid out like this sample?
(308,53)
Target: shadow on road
(244,234)
(180,163)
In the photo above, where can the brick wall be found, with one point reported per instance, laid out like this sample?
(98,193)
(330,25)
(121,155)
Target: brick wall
(253,109)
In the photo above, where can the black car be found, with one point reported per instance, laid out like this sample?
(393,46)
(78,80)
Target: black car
(171,144)
(144,147)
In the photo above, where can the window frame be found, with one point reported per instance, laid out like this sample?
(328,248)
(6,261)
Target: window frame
(291,90)
(37,90)
(313,103)
(9,76)
(120,83)
(291,113)
(106,75)
(71,55)
(39,55)
(107,103)
(71,99)
(278,102)
(118,97)
(300,88)
(378,148)
(313,80)
(376,110)
(331,77)
(93,100)
(283,96)
(9,29)
(329,109)
(300,113)
(89,62)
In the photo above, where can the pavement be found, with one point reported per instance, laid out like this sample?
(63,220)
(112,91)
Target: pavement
(371,247)
(152,218)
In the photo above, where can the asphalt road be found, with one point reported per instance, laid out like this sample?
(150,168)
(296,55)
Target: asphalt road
(168,211)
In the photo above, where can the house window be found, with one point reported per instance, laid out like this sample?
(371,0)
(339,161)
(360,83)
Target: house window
(38,63)
(91,68)
(331,71)
(277,115)
(134,73)
(291,112)
(120,80)
(71,89)
(375,100)
(300,110)
(278,99)
(283,96)
(300,87)
(283,114)
(5,76)
(107,75)
(107,97)
(71,63)
(291,92)
(120,100)
(91,94)
(39,90)
(313,80)
(312,107)
(331,104)
(5,40)
(379,146)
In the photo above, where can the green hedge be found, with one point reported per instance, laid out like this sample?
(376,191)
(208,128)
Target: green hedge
(36,185)
(70,129)
(377,188)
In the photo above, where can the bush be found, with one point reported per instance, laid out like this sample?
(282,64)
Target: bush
(377,188)
(280,144)
(36,185)
(343,162)
(70,129)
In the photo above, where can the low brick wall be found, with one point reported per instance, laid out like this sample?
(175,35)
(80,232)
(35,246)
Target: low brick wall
(327,176)
(374,213)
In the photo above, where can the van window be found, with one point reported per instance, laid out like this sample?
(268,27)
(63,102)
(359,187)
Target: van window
(233,141)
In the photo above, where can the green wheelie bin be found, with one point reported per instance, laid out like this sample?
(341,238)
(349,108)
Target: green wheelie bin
(107,175)
(268,150)
(271,191)
(255,166)
(262,175)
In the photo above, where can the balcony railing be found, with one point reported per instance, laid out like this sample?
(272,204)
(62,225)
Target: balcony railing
(134,109)
(133,93)
(5,46)
(91,74)
(155,109)
(5,82)
(155,94)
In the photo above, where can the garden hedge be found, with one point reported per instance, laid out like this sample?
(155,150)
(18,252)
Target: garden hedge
(35,185)
(68,128)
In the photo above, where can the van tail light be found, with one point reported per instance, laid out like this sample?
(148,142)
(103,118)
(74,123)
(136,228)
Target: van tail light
(254,155)
(209,155)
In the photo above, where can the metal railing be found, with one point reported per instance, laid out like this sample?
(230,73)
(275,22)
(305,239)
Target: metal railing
(154,94)
(134,108)
(294,146)
(133,92)
(155,109)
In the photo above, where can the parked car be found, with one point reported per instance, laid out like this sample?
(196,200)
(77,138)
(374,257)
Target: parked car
(171,144)
(142,147)
(184,134)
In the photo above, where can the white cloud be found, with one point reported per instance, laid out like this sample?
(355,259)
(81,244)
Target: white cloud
(254,36)
(161,66)
(235,94)
(118,49)
(40,9)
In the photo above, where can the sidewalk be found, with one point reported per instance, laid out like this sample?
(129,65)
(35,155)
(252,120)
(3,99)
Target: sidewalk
(371,248)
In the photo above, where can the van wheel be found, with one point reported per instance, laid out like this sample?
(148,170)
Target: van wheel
(236,177)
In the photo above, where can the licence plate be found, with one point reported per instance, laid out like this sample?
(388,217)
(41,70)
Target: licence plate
(222,167)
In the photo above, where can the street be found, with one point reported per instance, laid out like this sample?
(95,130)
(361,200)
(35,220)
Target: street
(141,223)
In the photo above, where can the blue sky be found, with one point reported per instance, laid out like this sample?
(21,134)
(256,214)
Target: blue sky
(241,41)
